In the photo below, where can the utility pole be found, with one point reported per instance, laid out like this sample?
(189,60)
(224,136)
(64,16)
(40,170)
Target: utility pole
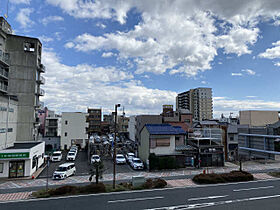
(115,144)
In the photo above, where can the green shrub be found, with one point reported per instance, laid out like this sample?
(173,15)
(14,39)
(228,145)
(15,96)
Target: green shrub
(154,183)
(233,176)
(63,190)
(93,188)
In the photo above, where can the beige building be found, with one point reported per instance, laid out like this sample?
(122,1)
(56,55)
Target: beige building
(258,118)
(198,101)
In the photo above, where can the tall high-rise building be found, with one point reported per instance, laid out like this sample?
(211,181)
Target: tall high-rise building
(198,101)
(21,65)
(94,121)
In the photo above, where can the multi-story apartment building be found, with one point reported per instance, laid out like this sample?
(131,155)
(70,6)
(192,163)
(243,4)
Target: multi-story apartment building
(255,118)
(94,121)
(73,129)
(198,101)
(53,126)
(8,120)
(21,66)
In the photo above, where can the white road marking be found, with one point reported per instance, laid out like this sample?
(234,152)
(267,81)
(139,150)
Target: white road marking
(253,188)
(136,199)
(200,205)
(209,197)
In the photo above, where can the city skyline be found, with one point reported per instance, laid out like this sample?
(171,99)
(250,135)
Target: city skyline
(142,54)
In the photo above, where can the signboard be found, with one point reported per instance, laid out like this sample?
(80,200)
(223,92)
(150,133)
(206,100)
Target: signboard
(18,155)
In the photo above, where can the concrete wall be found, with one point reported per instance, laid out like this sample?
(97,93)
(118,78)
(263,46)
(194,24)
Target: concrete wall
(258,118)
(164,150)
(131,128)
(75,128)
(8,133)
(144,146)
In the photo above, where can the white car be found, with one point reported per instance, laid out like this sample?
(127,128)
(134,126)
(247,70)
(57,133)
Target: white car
(95,158)
(120,159)
(65,170)
(136,163)
(56,156)
(71,156)
(129,156)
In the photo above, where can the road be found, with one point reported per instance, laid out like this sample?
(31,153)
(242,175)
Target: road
(252,195)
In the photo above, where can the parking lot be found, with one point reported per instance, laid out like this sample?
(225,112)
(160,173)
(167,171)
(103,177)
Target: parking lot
(82,166)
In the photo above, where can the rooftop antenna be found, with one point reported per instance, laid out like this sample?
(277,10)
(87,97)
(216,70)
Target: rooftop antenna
(7,12)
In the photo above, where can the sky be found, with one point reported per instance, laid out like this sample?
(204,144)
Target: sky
(142,53)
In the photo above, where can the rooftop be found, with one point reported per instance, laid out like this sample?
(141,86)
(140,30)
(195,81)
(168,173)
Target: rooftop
(164,129)
(24,145)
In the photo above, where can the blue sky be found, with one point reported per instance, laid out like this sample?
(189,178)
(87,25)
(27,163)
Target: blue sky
(142,53)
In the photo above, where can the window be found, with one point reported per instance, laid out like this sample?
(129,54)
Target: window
(66,122)
(231,138)
(10,129)
(2,130)
(65,134)
(34,162)
(29,46)
(159,143)
(1,167)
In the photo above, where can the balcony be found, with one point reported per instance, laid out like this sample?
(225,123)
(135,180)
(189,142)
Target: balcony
(41,80)
(42,68)
(40,92)
(3,87)
(3,73)
(4,58)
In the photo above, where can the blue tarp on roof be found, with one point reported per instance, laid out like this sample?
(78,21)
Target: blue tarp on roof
(164,129)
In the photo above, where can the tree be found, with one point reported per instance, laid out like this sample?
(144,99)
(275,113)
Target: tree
(97,171)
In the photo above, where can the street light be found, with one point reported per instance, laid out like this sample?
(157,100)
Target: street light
(115,144)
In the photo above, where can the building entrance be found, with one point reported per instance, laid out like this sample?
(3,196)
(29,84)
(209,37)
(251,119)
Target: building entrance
(16,169)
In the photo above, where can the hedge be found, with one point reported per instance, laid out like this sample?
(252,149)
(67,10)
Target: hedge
(233,176)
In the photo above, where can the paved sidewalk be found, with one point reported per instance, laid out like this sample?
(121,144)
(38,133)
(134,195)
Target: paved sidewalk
(15,196)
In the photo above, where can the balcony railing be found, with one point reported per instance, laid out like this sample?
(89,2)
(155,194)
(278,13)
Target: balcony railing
(41,80)
(42,68)
(40,92)
(5,58)
(3,87)
(4,73)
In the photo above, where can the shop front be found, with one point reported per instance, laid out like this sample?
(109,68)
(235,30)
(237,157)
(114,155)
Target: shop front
(21,160)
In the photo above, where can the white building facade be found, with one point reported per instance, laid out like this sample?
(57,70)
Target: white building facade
(73,129)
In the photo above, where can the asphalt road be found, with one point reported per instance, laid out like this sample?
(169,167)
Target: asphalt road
(251,195)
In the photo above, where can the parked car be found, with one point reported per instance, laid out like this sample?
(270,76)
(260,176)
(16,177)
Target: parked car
(120,159)
(71,156)
(129,157)
(56,156)
(74,149)
(97,139)
(95,158)
(65,170)
(136,163)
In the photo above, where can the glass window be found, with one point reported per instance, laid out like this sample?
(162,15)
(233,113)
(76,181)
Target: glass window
(1,167)
(65,134)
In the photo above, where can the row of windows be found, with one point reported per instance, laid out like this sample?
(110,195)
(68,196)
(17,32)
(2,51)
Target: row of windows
(5,109)
(3,130)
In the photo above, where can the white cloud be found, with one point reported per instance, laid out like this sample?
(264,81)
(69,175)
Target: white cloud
(277,64)
(249,71)
(178,37)
(23,17)
(107,54)
(73,88)
(224,105)
(272,53)
(51,19)
(236,74)
(69,45)
(45,39)
(20,1)
(251,96)
(203,82)
(101,25)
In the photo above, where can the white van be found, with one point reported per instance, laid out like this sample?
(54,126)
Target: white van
(65,170)
(56,156)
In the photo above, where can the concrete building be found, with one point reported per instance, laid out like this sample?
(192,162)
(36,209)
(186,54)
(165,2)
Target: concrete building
(8,120)
(73,129)
(132,128)
(198,101)
(22,159)
(94,121)
(122,122)
(160,139)
(21,61)
(255,118)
